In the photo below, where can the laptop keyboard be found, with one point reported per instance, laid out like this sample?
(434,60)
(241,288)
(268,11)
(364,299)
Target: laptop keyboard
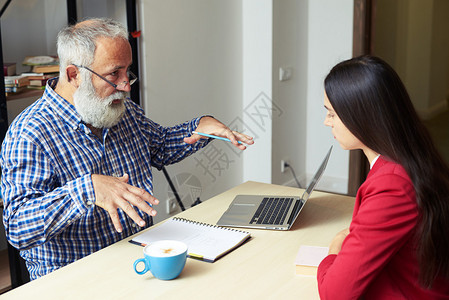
(272,211)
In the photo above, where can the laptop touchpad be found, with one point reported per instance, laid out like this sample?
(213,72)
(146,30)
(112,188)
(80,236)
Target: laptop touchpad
(237,214)
(242,209)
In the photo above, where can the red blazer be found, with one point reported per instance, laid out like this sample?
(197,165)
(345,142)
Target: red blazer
(378,259)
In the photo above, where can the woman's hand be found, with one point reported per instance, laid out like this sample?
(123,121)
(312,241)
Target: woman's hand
(335,246)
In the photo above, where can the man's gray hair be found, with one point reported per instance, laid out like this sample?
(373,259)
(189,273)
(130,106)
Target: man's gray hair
(77,43)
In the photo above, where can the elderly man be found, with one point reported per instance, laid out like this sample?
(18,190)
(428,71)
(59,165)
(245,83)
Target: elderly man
(76,165)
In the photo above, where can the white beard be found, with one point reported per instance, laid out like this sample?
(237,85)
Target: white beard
(96,111)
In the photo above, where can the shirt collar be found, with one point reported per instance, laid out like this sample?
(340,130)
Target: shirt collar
(61,106)
(374,161)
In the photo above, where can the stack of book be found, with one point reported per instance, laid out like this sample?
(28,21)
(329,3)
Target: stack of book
(37,81)
(16,84)
(42,64)
(42,68)
(9,69)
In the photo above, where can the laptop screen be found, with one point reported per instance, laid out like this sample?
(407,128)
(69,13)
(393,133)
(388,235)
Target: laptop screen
(317,176)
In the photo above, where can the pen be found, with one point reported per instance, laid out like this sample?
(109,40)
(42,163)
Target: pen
(137,243)
(214,137)
(196,256)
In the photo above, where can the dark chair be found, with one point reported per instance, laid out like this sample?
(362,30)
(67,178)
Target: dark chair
(17,268)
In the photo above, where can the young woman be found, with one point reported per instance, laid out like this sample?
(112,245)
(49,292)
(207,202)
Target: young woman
(397,245)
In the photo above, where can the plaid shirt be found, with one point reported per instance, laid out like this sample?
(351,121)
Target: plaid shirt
(47,159)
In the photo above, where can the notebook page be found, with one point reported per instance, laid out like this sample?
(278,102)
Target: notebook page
(204,240)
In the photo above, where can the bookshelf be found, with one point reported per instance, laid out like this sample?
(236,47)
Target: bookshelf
(26,94)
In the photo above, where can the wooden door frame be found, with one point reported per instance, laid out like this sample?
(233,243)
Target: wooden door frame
(362,34)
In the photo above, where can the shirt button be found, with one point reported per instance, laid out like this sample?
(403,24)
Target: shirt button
(89,203)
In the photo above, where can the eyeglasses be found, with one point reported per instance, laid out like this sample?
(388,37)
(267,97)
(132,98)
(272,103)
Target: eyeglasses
(132,78)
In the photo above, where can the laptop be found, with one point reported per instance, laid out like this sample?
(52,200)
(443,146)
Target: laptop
(269,212)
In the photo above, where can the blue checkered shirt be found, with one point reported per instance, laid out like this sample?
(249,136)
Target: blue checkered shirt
(47,159)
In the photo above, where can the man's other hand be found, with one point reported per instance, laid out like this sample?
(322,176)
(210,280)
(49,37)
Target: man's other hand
(112,193)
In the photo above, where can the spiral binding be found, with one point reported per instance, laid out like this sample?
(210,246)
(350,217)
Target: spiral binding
(208,225)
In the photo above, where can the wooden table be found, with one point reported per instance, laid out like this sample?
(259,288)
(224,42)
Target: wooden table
(261,268)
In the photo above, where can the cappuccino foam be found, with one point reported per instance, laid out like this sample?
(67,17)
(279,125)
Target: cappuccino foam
(165,248)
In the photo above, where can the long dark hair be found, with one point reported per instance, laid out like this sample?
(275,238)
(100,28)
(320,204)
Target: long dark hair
(372,102)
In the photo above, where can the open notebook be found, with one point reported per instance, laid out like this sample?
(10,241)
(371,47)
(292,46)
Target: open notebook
(205,242)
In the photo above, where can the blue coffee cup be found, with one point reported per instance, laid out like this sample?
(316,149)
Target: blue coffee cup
(164,259)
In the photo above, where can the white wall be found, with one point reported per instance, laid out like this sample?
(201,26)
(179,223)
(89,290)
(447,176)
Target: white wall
(290,51)
(259,109)
(192,66)
(312,37)
(329,42)
(115,9)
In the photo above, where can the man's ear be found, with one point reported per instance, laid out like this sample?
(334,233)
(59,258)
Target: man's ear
(73,75)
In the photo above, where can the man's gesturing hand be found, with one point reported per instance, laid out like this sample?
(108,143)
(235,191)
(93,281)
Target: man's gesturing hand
(112,193)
